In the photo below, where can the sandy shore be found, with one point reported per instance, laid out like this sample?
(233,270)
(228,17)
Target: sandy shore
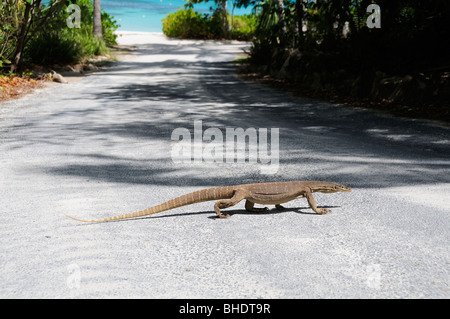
(135,38)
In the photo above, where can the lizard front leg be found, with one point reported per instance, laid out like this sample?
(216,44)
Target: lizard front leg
(225,203)
(249,206)
(312,203)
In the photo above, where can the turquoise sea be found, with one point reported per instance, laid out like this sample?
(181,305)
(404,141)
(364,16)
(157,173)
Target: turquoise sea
(146,15)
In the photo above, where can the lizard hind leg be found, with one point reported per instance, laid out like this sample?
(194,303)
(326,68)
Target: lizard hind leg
(249,206)
(225,203)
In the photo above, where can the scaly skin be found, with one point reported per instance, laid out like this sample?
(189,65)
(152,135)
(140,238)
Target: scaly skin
(274,193)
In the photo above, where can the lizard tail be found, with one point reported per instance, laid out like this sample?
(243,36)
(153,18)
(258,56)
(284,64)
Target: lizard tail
(188,199)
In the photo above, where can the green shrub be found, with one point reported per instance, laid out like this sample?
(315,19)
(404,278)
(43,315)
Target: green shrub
(189,24)
(109,25)
(243,27)
(63,46)
(9,17)
(58,44)
(52,47)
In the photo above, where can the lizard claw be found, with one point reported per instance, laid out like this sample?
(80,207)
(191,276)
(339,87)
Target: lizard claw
(323,211)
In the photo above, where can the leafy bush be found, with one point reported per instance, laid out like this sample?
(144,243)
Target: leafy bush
(109,25)
(52,47)
(63,47)
(189,24)
(59,44)
(243,27)
(10,12)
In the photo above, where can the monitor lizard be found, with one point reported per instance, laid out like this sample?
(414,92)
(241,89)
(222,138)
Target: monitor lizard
(274,193)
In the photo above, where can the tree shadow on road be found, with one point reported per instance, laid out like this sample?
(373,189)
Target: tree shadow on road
(126,115)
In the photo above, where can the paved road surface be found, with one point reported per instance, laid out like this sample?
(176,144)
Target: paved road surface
(101,147)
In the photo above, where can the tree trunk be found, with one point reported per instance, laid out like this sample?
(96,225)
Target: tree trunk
(282,16)
(97,19)
(21,39)
(224,19)
(299,12)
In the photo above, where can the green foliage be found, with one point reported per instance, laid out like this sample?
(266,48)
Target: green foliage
(56,42)
(10,11)
(53,47)
(413,34)
(63,46)
(268,28)
(243,27)
(189,24)
(109,25)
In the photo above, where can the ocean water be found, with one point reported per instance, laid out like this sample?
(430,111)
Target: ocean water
(146,15)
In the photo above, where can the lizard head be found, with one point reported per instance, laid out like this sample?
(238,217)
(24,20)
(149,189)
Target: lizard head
(330,188)
(342,188)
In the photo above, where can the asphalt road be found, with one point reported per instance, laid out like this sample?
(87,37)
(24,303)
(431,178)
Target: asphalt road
(102,146)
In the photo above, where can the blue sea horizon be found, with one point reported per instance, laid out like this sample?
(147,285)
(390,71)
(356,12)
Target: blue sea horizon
(146,15)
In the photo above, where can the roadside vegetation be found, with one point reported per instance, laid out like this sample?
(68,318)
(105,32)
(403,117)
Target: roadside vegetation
(34,33)
(189,24)
(36,38)
(386,54)
(390,55)
(58,44)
